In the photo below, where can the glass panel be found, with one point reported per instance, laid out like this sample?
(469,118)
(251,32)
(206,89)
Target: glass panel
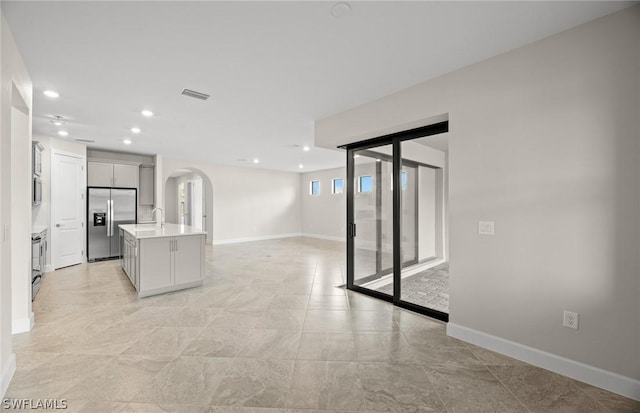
(365,183)
(338,186)
(373,215)
(315,187)
(422,230)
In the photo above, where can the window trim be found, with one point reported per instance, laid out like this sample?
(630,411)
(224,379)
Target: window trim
(333,186)
(311,187)
(359,184)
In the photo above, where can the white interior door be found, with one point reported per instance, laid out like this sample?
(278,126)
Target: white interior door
(67,209)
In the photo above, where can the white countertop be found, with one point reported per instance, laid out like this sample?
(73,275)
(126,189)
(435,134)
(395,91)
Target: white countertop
(141,231)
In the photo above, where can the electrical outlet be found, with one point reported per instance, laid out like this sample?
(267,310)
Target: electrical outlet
(570,320)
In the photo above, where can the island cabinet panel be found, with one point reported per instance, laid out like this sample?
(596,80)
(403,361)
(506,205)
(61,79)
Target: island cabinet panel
(159,259)
(188,253)
(156,263)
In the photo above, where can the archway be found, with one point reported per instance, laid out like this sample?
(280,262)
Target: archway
(188,199)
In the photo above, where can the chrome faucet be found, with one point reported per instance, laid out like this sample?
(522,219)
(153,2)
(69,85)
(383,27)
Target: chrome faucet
(153,211)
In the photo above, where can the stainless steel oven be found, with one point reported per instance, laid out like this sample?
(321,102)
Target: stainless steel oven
(37,191)
(38,259)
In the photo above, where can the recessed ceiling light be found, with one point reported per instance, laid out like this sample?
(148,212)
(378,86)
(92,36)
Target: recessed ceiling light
(51,93)
(256,160)
(147,113)
(301,166)
(378,160)
(356,156)
(126,141)
(306,148)
(135,130)
(63,133)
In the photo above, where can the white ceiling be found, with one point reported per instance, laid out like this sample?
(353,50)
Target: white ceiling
(271,68)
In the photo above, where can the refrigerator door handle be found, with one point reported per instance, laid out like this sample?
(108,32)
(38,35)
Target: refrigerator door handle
(111,219)
(108,218)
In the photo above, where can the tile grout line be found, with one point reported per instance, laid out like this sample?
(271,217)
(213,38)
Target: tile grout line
(486,366)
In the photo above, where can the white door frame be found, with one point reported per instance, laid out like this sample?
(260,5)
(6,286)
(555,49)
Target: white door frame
(83,194)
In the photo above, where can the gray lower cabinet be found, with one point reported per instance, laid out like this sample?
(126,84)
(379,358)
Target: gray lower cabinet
(129,258)
(163,264)
(155,264)
(187,259)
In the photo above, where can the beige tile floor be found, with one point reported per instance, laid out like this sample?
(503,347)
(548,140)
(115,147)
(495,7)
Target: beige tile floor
(267,332)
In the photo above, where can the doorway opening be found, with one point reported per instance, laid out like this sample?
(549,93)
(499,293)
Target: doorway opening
(189,200)
(397,219)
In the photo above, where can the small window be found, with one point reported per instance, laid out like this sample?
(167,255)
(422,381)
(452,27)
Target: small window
(404,180)
(337,186)
(365,183)
(314,188)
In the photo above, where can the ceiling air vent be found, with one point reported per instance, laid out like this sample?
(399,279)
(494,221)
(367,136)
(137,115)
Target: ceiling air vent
(86,140)
(194,94)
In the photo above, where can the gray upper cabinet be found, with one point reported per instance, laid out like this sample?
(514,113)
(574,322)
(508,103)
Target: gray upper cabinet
(146,192)
(99,174)
(125,176)
(112,175)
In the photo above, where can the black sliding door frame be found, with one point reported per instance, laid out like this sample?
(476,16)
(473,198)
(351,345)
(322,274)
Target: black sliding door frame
(394,139)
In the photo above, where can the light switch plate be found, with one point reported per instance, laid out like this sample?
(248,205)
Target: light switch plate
(486,227)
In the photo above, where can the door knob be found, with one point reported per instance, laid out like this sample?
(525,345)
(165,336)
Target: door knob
(58,225)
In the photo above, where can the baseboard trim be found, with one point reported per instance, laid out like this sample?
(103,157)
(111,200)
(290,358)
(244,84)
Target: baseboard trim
(22,325)
(625,386)
(320,236)
(250,239)
(7,374)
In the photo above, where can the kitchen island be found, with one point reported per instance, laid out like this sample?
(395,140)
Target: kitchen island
(159,259)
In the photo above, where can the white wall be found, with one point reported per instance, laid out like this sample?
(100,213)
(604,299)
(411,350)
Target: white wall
(324,215)
(543,141)
(21,179)
(248,203)
(15,86)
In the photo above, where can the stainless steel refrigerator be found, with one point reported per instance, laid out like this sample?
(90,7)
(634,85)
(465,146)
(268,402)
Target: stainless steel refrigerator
(107,209)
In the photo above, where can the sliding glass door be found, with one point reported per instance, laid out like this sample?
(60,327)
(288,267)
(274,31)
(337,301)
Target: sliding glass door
(371,195)
(395,222)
